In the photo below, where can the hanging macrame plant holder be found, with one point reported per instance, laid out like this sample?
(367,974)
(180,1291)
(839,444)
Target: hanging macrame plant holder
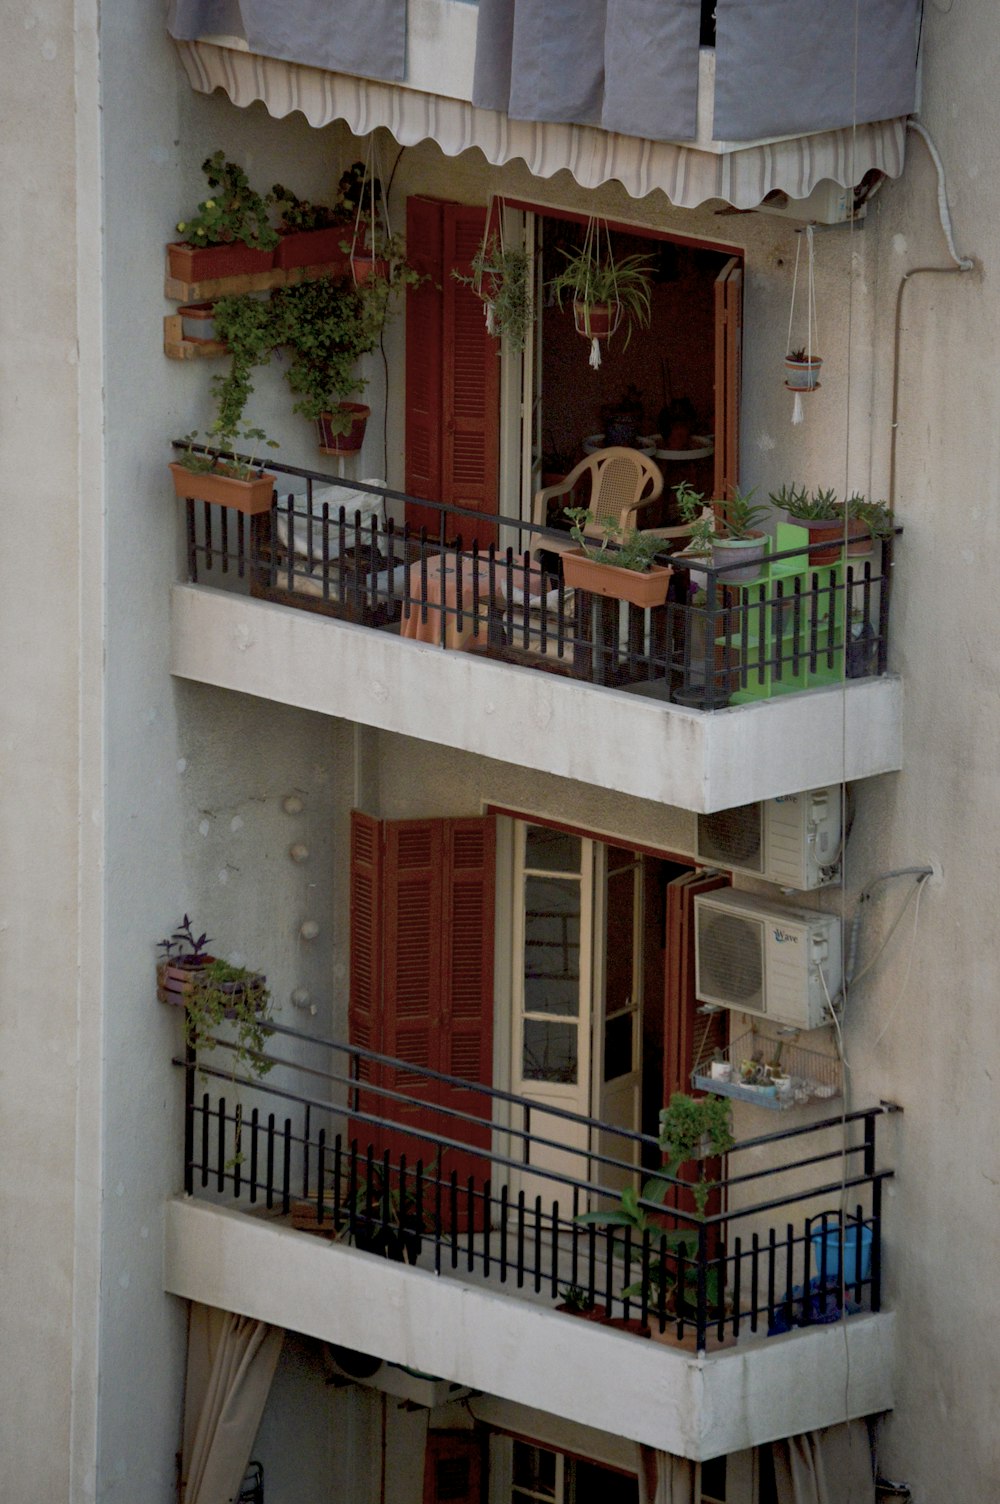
(484,281)
(596,321)
(801,364)
(371,244)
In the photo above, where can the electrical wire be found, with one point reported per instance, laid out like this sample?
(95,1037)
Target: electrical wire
(921,884)
(922,876)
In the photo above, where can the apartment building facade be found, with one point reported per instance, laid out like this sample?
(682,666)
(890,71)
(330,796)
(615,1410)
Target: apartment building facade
(476,880)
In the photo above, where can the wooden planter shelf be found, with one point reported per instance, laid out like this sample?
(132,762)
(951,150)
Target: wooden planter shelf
(178,348)
(220,287)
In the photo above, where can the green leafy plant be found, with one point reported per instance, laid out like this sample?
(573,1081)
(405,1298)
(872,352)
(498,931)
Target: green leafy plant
(247,467)
(249,328)
(740,518)
(300,214)
(689,1127)
(591,280)
(806,506)
(328,325)
(626,548)
(873,515)
(235,211)
(691,507)
(576,1297)
(224,994)
(500,277)
(384,1220)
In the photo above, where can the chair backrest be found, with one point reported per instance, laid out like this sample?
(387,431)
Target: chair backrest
(620,479)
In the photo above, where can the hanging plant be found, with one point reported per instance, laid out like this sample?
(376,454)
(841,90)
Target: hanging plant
(378,257)
(605,294)
(501,279)
(802,364)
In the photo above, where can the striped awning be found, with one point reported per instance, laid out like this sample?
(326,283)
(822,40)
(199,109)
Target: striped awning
(741,175)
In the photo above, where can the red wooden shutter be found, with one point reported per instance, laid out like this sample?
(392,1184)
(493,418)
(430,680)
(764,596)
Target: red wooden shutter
(424,336)
(364,1008)
(452,375)
(467,986)
(413,894)
(471,370)
(728,361)
(453,1468)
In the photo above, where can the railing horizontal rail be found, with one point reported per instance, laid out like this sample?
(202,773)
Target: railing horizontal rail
(717,639)
(418,1189)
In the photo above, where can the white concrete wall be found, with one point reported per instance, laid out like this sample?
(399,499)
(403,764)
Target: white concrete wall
(50,763)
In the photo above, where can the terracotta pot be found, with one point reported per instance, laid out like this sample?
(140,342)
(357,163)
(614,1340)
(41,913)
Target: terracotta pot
(311,248)
(369,269)
(749,552)
(596,320)
(646,589)
(344,443)
(206,263)
(175,983)
(251,497)
(802,375)
(826,539)
(858,531)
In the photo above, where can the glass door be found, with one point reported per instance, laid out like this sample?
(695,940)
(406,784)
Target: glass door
(618,1062)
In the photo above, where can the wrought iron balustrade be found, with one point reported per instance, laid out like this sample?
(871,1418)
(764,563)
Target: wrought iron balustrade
(716,641)
(360,1147)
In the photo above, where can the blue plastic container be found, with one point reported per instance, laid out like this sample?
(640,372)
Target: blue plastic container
(832,1239)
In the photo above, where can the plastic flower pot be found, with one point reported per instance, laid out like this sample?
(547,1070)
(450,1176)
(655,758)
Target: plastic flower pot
(646,588)
(802,375)
(251,497)
(747,552)
(206,263)
(827,1251)
(596,320)
(366,269)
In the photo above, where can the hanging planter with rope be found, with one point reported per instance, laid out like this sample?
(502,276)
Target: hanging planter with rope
(374,248)
(500,278)
(605,293)
(801,364)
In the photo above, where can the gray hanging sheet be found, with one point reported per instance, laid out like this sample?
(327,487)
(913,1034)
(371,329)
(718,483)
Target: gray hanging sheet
(363,37)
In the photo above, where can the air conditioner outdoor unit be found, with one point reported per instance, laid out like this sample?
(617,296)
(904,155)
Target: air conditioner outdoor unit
(766,958)
(793,841)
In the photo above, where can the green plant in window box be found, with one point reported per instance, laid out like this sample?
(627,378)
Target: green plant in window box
(623,548)
(234,212)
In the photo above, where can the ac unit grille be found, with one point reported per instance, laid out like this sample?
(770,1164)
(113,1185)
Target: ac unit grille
(731,959)
(733,837)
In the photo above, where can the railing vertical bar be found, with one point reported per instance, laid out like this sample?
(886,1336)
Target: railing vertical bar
(555,1249)
(190,1059)
(338,1170)
(520,1240)
(269,1198)
(470,1203)
(453,1215)
(537,1260)
(437,1219)
(237,1150)
(754,1282)
(504,1214)
(320,1174)
(286,1169)
(254,1154)
(487,1225)
(876,1269)
(221,1146)
(306,1133)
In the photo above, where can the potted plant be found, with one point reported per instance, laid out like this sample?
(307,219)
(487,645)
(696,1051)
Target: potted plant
(819,514)
(328,326)
(239,481)
(500,277)
(230,234)
(212,993)
(868,522)
(691,1128)
(622,419)
(741,538)
(604,293)
(621,565)
(310,234)
(802,370)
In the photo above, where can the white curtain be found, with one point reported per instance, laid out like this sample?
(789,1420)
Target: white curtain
(230,1365)
(666,1479)
(832,1466)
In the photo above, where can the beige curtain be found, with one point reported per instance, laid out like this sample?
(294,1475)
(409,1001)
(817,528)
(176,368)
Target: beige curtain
(833,1466)
(231,1362)
(666,1479)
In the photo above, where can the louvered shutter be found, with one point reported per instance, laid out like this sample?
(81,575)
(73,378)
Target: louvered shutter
(467,984)
(364,1012)
(424,336)
(413,906)
(728,363)
(452,375)
(471,369)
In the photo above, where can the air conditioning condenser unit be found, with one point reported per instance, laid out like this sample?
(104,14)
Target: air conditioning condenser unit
(770,959)
(793,841)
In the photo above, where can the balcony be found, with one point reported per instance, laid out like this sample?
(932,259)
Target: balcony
(741,691)
(332,1197)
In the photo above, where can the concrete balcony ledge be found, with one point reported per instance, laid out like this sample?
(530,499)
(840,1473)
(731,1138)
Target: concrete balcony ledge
(494,1342)
(654,750)
(690,759)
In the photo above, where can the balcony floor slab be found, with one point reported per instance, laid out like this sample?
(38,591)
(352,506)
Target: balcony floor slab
(653,750)
(697,1407)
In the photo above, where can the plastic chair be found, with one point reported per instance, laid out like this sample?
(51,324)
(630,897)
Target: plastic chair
(622,483)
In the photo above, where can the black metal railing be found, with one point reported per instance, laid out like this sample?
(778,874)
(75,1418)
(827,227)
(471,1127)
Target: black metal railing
(495,586)
(396,1172)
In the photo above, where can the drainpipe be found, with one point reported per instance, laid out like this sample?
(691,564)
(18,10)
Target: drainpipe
(962,264)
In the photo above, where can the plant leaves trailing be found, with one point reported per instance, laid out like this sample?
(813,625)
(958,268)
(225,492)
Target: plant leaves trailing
(625,548)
